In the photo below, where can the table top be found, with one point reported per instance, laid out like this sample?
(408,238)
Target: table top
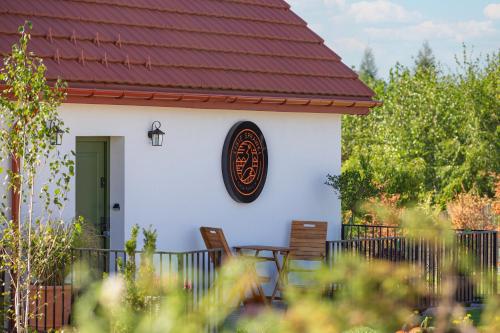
(263,248)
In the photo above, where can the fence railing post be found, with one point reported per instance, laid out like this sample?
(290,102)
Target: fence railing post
(495,263)
(180,269)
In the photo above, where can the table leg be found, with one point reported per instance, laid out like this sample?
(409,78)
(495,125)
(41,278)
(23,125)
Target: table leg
(281,274)
(260,291)
(257,291)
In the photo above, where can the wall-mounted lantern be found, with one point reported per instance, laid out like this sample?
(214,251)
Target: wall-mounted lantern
(56,134)
(156,134)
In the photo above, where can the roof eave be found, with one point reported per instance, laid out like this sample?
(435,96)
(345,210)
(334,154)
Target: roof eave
(219,101)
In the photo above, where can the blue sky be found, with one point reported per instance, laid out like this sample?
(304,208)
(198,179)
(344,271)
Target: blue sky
(396,29)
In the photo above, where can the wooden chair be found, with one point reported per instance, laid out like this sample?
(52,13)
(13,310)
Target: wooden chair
(308,240)
(307,244)
(214,239)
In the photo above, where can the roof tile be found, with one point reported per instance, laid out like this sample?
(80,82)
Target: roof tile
(211,46)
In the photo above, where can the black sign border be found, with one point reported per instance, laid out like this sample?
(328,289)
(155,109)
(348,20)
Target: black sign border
(226,158)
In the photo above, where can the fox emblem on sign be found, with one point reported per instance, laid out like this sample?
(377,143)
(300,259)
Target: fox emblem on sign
(244,162)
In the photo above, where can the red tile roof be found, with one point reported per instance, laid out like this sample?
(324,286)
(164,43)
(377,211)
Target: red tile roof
(206,49)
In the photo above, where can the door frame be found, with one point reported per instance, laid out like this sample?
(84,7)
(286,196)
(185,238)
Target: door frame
(107,210)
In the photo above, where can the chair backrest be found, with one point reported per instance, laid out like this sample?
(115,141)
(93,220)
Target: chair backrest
(308,240)
(214,239)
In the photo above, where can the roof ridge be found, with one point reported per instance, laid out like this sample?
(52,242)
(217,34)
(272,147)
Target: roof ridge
(172,46)
(259,4)
(82,59)
(187,12)
(162,27)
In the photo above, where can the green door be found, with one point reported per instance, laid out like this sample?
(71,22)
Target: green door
(92,184)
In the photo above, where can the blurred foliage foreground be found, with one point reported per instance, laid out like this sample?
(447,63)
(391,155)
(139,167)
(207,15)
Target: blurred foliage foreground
(369,296)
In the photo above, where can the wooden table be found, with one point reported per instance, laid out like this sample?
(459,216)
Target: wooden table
(276,252)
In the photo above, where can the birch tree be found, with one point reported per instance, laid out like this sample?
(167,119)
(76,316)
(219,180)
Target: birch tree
(34,237)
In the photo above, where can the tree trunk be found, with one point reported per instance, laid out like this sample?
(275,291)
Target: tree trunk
(16,213)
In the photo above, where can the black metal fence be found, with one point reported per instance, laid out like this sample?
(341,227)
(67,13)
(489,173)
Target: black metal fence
(194,271)
(472,258)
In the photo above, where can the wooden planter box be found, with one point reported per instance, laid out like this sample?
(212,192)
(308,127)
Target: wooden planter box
(53,308)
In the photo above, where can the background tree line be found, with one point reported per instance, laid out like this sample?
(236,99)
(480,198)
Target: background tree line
(436,137)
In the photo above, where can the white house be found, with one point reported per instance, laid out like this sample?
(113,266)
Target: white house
(199,68)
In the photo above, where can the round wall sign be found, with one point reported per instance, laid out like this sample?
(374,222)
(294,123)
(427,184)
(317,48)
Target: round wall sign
(244,162)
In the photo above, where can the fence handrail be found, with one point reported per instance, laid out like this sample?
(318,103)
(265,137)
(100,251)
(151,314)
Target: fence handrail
(356,231)
(155,252)
(372,225)
(400,227)
(475,232)
(366,239)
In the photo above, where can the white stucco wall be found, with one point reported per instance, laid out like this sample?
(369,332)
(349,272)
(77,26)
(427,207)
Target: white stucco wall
(179,187)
